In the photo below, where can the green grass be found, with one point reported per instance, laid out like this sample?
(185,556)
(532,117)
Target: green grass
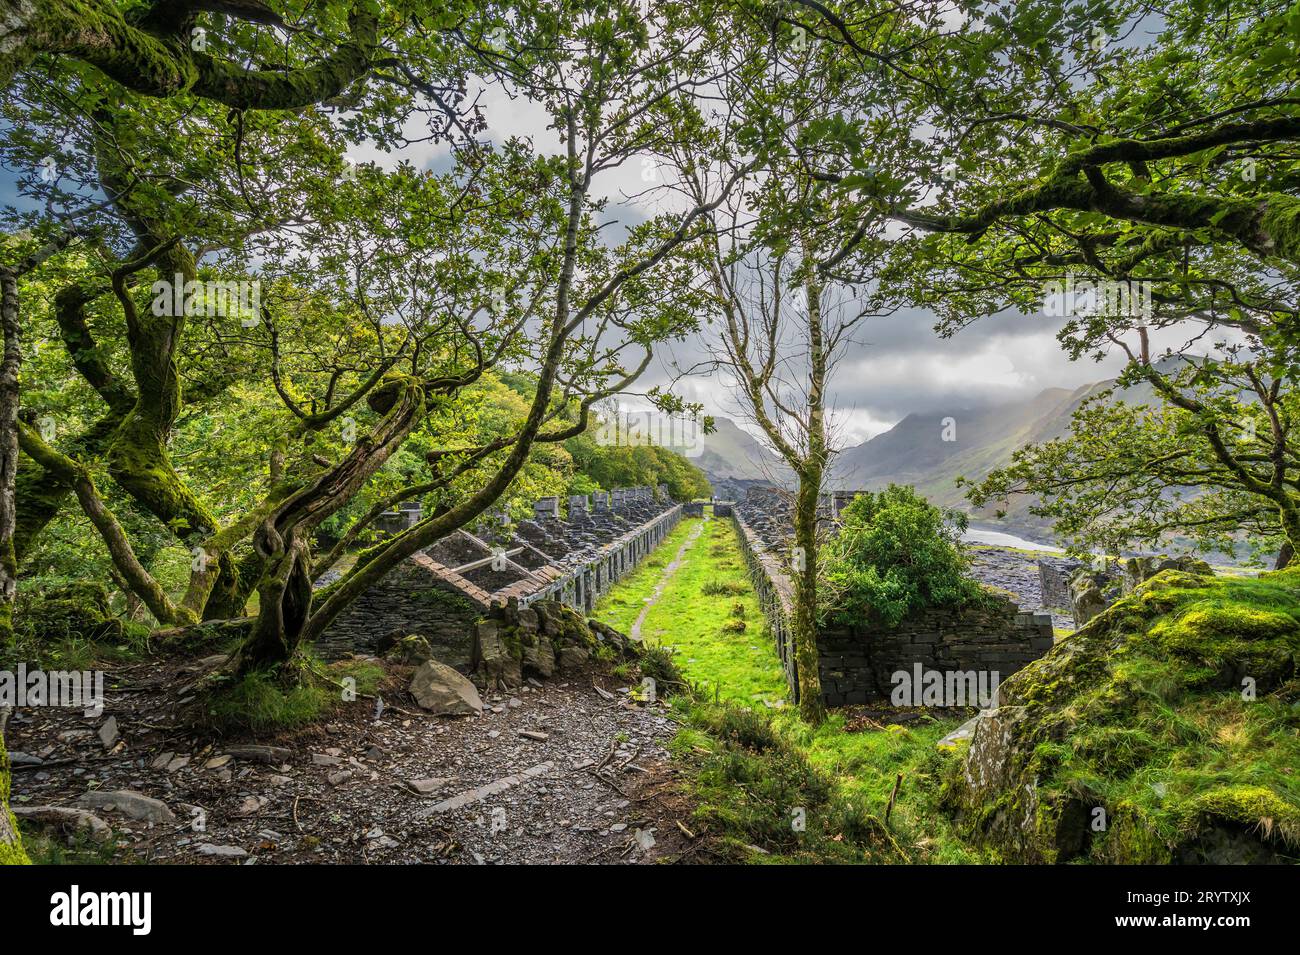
(865,765)
(753,760)
(621,605)
(45,846)
(260,704)
(736,666)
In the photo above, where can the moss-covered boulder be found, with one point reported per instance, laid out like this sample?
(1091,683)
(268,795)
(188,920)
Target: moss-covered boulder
(411,650)
(78,610)
(1166,730)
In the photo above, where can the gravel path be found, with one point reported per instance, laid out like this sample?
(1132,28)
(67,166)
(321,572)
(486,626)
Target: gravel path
(591,781)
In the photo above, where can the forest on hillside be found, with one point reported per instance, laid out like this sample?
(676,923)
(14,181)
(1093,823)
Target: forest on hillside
(316,317)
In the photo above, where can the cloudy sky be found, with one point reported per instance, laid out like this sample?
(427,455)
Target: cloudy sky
(897,366)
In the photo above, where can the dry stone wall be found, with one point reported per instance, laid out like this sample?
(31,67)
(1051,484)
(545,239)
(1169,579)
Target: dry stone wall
(857,664)
(439,593)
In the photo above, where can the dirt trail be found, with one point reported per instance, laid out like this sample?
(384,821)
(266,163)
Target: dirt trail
(664,577)
(593,783)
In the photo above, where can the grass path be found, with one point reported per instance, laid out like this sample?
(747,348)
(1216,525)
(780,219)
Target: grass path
(662,582)
(624,602)
(701,605)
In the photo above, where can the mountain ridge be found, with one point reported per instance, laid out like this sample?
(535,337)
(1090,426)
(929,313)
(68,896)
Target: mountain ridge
(928,450)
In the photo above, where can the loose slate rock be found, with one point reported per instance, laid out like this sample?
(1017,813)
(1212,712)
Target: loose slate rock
(444,692)
(426,786)
(108,733)
(271,755)
(129,803)
(490,789)
(251,805)
(67,819)
(221,852)
(162,760)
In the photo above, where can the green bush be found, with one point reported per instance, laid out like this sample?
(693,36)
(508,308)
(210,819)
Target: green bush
(724,588)
(896,554)
(658,664)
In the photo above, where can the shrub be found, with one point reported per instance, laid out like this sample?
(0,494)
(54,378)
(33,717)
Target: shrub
(895,554)
(723,588)
(657,663)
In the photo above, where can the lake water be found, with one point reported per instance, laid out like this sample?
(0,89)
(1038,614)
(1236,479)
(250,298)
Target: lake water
(980,535)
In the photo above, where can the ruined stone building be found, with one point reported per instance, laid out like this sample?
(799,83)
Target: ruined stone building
(857,663)
(440,592)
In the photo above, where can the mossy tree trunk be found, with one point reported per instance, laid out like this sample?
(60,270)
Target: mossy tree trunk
(42,494)
(284,538)
(137,453)
(11,845)
(9,366)
(151,50)
(811,705)
(752,345)
(804,625)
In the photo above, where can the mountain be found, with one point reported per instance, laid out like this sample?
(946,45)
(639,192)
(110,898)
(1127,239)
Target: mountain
(732,458)
(929,451)
(932,450)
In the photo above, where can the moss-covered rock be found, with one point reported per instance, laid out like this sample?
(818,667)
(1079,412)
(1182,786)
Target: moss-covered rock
(1166,730)
(11,846)
(411,650)
(515,642)
(78,610)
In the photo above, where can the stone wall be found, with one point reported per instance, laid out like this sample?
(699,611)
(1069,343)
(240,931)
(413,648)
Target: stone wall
(1054,582)
(441,591)
(775,595)
(415,597)
(856,664)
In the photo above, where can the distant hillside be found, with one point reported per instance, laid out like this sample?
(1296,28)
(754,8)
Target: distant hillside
(731,453)
(914,450)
